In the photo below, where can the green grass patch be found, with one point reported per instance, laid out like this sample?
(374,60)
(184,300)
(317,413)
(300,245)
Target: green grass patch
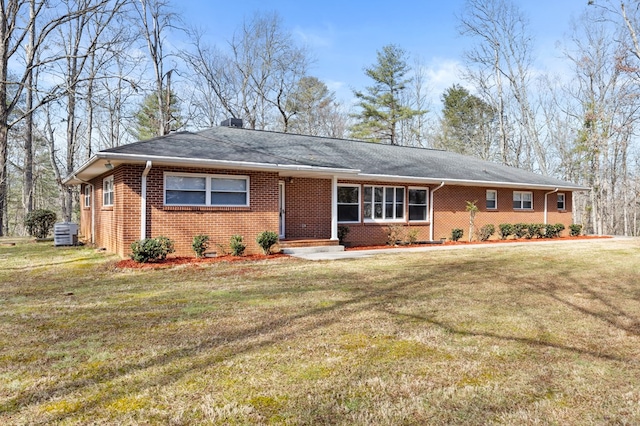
(545,334)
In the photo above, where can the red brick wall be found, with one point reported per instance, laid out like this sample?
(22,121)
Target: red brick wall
(308,208)
(450,210)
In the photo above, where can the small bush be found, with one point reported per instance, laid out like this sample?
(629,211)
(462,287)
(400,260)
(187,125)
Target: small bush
(266,240)
(486,232)
(237,246)
(534,230)
(200,244)
(456,234)
(39,223)
(342,233)
(412,236)
(520,230)
(505,230)
(151,249)
(553,231)
(394,234)
(575,230)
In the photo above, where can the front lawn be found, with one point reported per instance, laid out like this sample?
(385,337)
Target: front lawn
(540,334)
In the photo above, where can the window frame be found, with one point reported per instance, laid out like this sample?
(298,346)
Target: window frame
(207,190)
(495,199)
(522,207)
(564,201)
(108,191)
(351,185)
(87,196)
(426,204)
(384,204)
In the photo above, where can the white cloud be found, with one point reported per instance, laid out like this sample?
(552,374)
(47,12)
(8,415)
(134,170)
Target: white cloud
(315,39)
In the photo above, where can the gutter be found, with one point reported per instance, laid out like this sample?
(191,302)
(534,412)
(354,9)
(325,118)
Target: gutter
(431,210)
(545,204)
(143,201)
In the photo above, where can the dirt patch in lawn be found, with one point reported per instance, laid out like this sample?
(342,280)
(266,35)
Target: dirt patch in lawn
(455,243)
(178,260)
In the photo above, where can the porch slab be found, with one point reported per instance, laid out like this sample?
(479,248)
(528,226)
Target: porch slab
(310,250)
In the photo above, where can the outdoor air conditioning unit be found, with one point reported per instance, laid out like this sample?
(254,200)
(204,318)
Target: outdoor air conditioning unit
(65,234)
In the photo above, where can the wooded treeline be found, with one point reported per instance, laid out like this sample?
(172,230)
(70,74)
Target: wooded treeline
(78,76)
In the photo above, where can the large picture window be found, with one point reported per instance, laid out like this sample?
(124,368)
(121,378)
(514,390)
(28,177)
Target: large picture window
(522,200)
(107,191)
(205,190)
(417,204)
(383,203)
(348,203)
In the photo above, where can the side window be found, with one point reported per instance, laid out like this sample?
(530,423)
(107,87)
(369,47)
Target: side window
(492,199)
(561,204)
(107,191)
(348,203)
(417,204)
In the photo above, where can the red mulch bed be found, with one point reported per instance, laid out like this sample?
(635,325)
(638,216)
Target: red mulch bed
(455,243)
(175,261)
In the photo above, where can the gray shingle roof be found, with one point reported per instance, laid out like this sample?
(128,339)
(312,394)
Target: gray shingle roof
(272,148)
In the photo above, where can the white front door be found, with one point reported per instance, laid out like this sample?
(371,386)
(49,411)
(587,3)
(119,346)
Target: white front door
(281,205)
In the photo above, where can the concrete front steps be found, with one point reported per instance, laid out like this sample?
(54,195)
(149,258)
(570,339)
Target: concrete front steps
(306,246)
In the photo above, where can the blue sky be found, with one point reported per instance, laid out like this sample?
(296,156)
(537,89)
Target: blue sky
(344,36)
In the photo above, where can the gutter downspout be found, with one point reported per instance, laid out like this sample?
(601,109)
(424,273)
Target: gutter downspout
(431,210)
(545,204)
(143,202)
(93,208)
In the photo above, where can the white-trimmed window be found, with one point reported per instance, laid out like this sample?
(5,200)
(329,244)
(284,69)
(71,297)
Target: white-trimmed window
(348,203)
(87,196)
(189,189)
(561,204)
(492,199)
(383,203)
(417,204)
(107,191)
(522,200)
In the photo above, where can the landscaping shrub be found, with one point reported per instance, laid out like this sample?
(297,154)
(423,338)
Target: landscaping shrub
(486,232)
(151,249)
(412,236)
(534,230)
(266,240)
(456,234)
(505,230)
(520,230)
(575,230)
(394,234)
(39,223)
(200,244)
(342,233)
(237,246)
(553,231)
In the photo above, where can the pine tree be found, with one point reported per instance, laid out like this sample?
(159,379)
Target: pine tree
(148,120)
(382,104)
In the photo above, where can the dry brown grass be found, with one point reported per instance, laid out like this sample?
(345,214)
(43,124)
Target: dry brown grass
(545,334)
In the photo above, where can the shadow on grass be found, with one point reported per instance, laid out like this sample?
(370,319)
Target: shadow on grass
(379,296)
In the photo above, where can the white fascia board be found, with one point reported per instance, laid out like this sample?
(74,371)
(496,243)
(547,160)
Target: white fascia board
(464,182)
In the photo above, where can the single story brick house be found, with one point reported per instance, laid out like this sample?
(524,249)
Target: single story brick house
(229,180)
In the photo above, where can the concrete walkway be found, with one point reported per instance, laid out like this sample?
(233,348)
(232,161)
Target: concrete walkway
(356,254)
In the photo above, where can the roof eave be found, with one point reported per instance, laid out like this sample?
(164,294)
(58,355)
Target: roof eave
(469,182)
(82,174)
